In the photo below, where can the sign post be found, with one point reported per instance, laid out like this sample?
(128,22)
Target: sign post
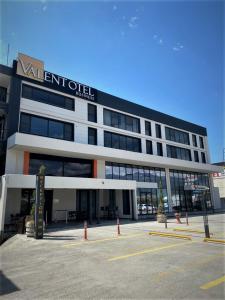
(204,190)
(39,204)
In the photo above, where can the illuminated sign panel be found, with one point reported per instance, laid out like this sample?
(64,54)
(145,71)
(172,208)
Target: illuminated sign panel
(34,69)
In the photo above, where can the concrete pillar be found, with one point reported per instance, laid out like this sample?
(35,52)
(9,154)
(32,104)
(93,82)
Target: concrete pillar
(2,206)
(134,206)
(168,186)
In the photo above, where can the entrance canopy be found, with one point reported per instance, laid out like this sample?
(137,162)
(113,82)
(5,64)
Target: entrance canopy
(53,182)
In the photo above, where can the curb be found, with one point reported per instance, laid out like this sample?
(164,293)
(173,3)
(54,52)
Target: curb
(214,241)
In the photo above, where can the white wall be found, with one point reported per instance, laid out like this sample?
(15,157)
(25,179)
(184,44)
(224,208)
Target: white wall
(14,162)
(63,200)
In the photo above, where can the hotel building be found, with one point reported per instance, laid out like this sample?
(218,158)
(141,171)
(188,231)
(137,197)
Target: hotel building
(104,156)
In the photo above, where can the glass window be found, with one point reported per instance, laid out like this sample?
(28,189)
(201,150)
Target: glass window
(122,172)
(115,141)
(107,117)
(196,156)
(24,123)
(141,174)
(122,142)
(135,173)
(148,130)
(129,172)
(122,121)
(179,153)
(92,113)
(158,131)
(107,139)
(201,142)
(203,157)
(116,171)
(194,140)
(47,97)
(60,166)
(92,136)
(147,174)
(149,147)
(136,145)
(108,171)
(129,123)
(177,136)
(68,132)
(159,149)
(27,92)
(46,127)
(56,129)
(39,126)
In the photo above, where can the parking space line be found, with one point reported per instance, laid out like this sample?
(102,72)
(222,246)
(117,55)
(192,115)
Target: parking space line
(117,238)
(213,283)
(148,251)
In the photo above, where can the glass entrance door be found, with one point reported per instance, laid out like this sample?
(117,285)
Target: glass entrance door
(148,203)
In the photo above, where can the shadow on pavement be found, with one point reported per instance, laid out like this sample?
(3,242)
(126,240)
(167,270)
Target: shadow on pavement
(6,285)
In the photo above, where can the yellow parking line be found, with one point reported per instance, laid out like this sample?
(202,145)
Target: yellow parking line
(213,283)
(190,230)
(147,251)
(103,240)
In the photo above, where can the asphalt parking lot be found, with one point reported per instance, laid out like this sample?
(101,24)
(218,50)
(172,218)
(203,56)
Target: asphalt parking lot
(134,265)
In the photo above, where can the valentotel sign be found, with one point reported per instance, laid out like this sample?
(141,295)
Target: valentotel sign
(34,69)
(79,89)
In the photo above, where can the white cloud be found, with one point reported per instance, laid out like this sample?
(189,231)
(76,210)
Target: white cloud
(133,22)
(178,47)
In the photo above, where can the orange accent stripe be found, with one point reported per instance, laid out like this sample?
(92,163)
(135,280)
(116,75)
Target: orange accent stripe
(26,163)
(95,172)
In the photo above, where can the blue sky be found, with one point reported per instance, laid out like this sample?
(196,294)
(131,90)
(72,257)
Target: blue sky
(166,55)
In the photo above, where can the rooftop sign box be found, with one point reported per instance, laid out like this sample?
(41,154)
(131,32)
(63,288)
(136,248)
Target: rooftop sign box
(34,69)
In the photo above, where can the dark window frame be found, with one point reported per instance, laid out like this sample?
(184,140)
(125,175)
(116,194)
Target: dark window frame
(148,128)
(122,121)
(178,153)
(92,130)
(130,142)
(158,131)
(177,136)
(92,113)
(149,147)
(30,116)
(49,97)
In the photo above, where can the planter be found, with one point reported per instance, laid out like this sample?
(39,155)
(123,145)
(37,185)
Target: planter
(30,228)
(161,218)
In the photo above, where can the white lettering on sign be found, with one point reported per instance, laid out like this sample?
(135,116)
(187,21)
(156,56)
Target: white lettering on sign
(80,90)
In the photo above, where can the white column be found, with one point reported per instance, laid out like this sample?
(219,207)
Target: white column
(3,206)
(168,186)
(135,210)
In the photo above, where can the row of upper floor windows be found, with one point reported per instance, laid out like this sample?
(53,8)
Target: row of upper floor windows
(111,118)
(37,125)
